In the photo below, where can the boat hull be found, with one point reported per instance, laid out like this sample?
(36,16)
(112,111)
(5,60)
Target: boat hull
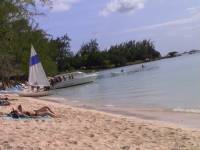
(75,81)
(35,94)
(117,73)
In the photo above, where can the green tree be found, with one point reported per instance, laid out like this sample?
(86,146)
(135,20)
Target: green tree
(18,31)
(63,52)
(8,68)
(90,54)
(172,54)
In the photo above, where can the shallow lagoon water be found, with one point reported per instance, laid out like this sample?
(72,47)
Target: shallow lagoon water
(169,84)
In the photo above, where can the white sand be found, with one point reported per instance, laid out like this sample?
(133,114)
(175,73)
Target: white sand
(82,129)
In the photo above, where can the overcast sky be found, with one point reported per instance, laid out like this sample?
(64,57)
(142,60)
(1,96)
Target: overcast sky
(171,24)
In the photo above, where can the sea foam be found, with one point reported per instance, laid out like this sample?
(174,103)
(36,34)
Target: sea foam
(187,110)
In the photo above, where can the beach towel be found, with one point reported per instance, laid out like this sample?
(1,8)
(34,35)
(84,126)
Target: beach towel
(14,116)
(9,118)
(4,102)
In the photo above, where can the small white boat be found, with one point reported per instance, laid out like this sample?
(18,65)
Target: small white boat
(118,73)
(35,94)
(38,84)
(72,79)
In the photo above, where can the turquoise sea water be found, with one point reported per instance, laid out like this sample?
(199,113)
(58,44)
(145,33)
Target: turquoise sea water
(170,83)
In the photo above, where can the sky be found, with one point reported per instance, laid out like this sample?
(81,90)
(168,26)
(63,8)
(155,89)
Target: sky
(173,25)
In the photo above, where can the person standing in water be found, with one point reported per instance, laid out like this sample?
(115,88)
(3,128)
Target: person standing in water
(142,66)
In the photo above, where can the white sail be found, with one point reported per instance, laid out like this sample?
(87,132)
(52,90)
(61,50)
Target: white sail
(37,76)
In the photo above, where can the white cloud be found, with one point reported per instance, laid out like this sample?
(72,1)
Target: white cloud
(122,6)
(172,23)
(191,28)
(62,5)
(193,10)
(182,23)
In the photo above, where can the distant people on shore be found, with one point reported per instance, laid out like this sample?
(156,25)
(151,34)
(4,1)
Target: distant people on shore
(39,88)
(58,79)
(7,84)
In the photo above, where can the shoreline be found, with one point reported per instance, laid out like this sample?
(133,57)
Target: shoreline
(180,118)
(81,128)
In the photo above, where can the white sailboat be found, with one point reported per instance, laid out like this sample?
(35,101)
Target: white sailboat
(38,84)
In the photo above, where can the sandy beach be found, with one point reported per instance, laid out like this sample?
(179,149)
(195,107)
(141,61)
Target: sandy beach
(83,129)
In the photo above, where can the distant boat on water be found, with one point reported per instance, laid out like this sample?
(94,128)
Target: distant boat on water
(72,79)
(123,72)
(38,84)
(118,72)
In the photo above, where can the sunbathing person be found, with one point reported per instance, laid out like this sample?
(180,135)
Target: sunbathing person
(44,111)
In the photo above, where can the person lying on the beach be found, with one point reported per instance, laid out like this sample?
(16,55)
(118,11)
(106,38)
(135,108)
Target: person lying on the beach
(44,111)
(19,113)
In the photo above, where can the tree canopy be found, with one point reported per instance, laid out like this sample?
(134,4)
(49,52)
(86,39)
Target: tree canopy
(18,31)
(90,55)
